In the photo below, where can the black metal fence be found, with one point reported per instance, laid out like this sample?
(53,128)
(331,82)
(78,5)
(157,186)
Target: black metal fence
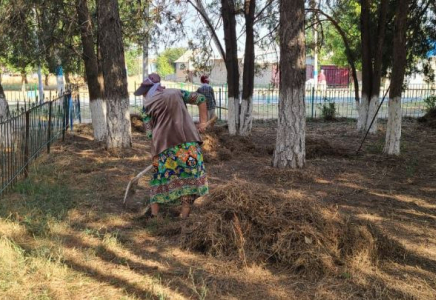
(28,132)
(265,102)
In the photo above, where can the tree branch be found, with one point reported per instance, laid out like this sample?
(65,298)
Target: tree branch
(210,27)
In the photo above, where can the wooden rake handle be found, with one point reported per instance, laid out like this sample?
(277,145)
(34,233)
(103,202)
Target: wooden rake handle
(135,180)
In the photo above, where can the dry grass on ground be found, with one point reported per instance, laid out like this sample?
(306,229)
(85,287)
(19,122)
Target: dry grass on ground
(345,227)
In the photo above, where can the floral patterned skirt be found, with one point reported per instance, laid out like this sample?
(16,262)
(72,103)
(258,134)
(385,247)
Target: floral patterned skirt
(178,171)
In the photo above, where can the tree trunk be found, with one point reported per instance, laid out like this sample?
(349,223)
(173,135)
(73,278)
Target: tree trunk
(246,118)
(114,74)
(290,151)
(199,7)
(371,64)
(366,64)
(393,131)
(4,107)
(231,61)
(67,78)
(4,115)
(24,78)
(97,104)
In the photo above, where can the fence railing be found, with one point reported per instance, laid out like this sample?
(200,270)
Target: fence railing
(265,102)
(28,132)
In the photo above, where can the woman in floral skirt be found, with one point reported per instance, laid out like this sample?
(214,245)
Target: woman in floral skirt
(179,176)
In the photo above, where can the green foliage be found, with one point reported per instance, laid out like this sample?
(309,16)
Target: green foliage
(430,103)
(165,61)
(133,61)
(331,49)
(328,110)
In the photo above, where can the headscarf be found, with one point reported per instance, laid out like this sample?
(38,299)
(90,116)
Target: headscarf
(150,85)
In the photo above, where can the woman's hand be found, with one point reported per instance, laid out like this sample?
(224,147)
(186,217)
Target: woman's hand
(201,127)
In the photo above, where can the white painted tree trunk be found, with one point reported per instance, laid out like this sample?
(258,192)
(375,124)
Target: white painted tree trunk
(372,109)
(4,107)
(290,151)
(246,117)
(393,130)
(4,114)
(363,112)
(366,111)
(233,115)
(118,124)
(99,122)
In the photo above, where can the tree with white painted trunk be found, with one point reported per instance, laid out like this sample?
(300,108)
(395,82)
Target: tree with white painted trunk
(93,77)
(373,32)
(4,112)
(393,130)
(231,61)
(246,113)
(115,93)
(4,107)
(290,151)
(239,110)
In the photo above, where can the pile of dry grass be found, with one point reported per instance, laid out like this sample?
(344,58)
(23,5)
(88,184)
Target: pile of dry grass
(274,175)
(241,221)
(429,118)
(316,148)
(218,145)
(136,123)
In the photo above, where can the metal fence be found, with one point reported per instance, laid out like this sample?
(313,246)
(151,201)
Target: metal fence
(265,102)
(28,132)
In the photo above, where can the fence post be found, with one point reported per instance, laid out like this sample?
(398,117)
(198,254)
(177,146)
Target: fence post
(313,100)
(65,117)
(78,108)
(26,145)
(71,111)
(219,99)
(49,127)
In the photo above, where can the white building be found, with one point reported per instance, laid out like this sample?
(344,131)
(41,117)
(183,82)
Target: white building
(266,68)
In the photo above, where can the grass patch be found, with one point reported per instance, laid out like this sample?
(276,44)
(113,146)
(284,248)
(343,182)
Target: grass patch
(41,202)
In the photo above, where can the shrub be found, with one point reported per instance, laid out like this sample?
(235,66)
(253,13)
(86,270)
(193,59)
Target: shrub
(430,103)
(328,110)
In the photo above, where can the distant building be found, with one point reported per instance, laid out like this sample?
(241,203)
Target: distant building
(267,72)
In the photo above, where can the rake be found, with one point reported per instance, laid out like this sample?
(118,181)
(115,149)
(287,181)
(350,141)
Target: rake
(131,186)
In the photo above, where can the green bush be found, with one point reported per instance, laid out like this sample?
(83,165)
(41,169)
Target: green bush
(430,103)
(328,110)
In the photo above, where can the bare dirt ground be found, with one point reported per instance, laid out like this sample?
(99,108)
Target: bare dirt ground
(117,255)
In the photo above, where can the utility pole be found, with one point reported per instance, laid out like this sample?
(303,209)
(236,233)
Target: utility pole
(146,15)
(315,41)
(40,86)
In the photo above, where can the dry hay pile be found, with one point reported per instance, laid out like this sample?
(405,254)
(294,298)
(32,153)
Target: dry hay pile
(218,145)
(429,118)
(245,223)
(288,176)
(136,123)
(316,147)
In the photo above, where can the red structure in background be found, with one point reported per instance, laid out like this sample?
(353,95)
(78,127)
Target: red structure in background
(336,76)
